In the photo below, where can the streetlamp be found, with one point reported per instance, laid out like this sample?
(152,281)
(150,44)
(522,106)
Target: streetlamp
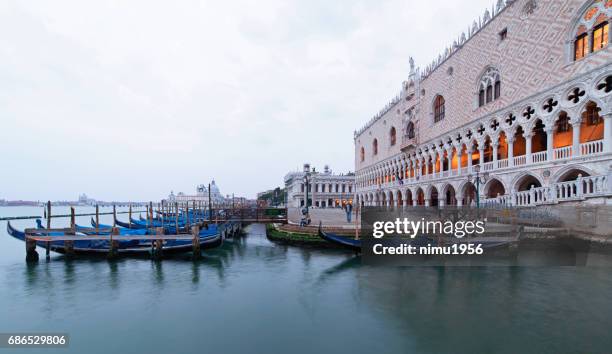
(306,187)
(479,179)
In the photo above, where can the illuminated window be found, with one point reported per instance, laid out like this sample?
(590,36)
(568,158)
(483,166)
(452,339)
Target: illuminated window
(592,114)
(600,37)
(563,123)
(591,31)
(580,46)
(392,136)
(375,147)
(439,109)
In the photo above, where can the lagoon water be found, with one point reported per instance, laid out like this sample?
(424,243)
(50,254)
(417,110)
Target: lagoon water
(254,296)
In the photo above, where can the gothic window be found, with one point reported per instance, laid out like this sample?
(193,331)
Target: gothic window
(591,31)
(592,114)
(410,130)
(489,88)
(375,147)
(438,108)
(563,123)
(392,136)
(580,46)
(600,37)
(497,89)
(362,154)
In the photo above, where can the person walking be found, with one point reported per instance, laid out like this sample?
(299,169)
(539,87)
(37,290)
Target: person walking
(348,209)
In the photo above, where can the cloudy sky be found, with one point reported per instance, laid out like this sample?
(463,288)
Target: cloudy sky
(127,100)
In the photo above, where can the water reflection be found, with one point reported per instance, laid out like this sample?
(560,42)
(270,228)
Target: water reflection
(278,298)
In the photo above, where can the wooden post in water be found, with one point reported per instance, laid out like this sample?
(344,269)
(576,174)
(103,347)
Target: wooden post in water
(113,244)
(69,245)
(72,220)
(48,214)
(195,231)
(187,215)
(209,205)
(162,213)
(114,216)
(48,243)
(97,219)
(195,214)
(151,213)
(130,215)
(31,254)
(176,217)
(158,244)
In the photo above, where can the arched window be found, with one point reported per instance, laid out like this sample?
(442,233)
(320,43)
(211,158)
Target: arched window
(438,108)
(392,136)
(410,130)
(362,154)
(591,30)
(375,147)
(489,88)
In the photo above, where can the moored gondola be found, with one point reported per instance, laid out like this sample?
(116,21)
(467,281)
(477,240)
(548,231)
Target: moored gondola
(140,246)
(345,242)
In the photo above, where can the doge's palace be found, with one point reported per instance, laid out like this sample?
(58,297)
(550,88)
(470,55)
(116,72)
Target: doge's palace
(521,99)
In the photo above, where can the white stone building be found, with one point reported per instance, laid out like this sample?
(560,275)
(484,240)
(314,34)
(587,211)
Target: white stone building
(325,189)
(201,195)
(524,97)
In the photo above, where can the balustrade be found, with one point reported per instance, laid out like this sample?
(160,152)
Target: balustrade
(562,153)
(538,157)
(591,147)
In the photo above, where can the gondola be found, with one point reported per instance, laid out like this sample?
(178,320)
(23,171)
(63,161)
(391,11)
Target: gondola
(345,242)
(209,238)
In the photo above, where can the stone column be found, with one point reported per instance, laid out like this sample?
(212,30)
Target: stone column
(469,165)
(527,149)
(459,161)
(607,140)
(441,202)
(495,146)
(549,143)
(510,141)
(449,155)
(576,138)
(481,154)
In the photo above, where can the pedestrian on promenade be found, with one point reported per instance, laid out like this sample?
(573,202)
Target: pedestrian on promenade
(348,209)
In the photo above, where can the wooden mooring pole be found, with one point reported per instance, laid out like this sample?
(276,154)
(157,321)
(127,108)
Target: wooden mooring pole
(157,250)
(69,245)
(97,219)
(195,230)
(48,243)
(114,216)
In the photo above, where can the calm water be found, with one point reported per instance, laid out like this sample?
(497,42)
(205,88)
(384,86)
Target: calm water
(252,296)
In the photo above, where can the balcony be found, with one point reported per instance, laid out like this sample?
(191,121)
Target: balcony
(536,158)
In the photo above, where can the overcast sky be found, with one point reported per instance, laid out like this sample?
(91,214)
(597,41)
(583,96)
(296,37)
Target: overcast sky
(128,100)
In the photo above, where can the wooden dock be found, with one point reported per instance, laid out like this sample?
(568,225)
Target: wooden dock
(193,217)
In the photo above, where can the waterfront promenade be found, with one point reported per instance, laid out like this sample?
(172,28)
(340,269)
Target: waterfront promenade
(329,217)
